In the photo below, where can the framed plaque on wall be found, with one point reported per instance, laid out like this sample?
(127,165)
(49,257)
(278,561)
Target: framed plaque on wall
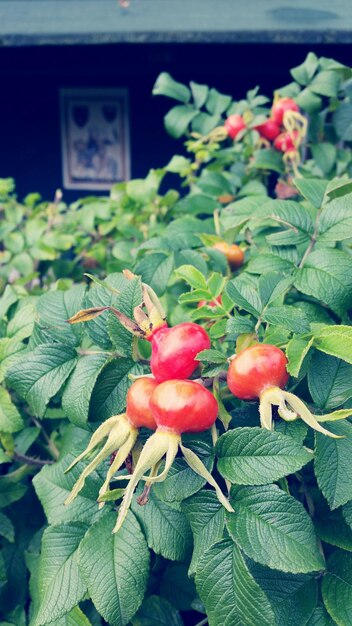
(94,137)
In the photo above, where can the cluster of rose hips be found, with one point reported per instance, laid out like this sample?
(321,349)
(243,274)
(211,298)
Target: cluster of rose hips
(273,129)
(169,403)
(165,401)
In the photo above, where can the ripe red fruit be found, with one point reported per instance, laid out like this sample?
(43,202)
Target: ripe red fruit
(280,107)
(174,350)
(255,369)
(183,406)
(234,124)
(285,141)
(210,303)
(260,371)
(269,129)
(234,254)
(138,410)
(179,406)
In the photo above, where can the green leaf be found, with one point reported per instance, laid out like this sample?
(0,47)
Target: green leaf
(77,394)
(8,298)
(203,123)
(254,456)
(60,582)
(97,297)
(263,263)
(55,308)
(267,160)
(342,121)
(297,430)
(326,83)
(11,489)
(272,285)
(289,317)
(181,482)
(76,617)
(6,528)
(327,276)
(293,215)
(335,222)
(332,464)
(216,102)
(165,527)
(245,296)
(238,325)
(211,356)
(228,590)
(109,394)
(165,85)
(21,324)
(334,340)
(40,374)
(115,568)
(156,611)
(238,213)
(337,588)
(312,190)
(324,155)
(320,617)
(274,529)
(332,528)
(178,119)
(329,381)
(304,73)
(126,301)
(292,597)
(155,270)
(192,276)
(10,419)
(199,93)
(52,487)
(10,352)
(207,518)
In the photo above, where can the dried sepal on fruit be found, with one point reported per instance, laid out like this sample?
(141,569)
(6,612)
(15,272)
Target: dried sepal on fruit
(120,432)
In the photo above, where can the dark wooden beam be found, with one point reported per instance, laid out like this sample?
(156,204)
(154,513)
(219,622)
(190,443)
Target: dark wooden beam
(59,22)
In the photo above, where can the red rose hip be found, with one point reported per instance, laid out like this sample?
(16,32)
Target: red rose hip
(255,369)
(234,124)
(174,350)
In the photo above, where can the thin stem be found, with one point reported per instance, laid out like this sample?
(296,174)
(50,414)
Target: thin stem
(312,242)
(29,460)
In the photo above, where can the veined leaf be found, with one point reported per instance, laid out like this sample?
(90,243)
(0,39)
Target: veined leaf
(60,582)
(165,526)
(231,595)
(274,529)
(332,464)
(337,587)
(327,276)
(10,419)
(40,374)
(207,518)
(115,568)
(254,456)
(76,398)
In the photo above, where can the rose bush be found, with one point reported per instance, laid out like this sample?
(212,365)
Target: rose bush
(246,522)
